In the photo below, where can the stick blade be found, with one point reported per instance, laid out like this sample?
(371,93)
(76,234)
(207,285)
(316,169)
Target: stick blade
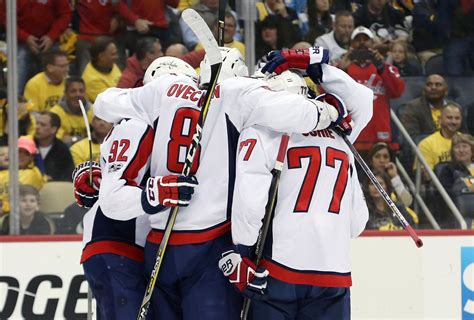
(204,34)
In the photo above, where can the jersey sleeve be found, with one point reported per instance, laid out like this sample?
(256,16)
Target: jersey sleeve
(357,97)
(143,103)
(253,179)
(256,104)
(126,153)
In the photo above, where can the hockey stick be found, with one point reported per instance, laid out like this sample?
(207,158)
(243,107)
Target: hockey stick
(205,36)
(89,137)
(396,213)
(221,22)
(272,194)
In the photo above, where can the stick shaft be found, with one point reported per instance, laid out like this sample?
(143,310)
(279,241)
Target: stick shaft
(269,209)
(383,193)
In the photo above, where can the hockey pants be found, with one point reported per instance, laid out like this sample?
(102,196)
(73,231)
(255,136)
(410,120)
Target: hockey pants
(118,284)
(190,285)
(285,301)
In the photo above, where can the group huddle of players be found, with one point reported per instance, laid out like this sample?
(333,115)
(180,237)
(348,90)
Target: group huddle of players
(208,268)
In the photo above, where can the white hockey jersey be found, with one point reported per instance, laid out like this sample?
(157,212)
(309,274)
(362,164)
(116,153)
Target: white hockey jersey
(117,223)
(171,103)
(320,204)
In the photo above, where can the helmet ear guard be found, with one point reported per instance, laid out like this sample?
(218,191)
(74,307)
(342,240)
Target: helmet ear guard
(233,65)
(168,65)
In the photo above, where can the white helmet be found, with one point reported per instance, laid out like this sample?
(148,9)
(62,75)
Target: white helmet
(165,65)
(233,65)
(290,81)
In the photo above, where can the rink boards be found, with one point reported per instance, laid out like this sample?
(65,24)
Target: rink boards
(392,279)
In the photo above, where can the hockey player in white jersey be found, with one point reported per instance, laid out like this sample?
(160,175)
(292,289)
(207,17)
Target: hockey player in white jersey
(188,286)
(305,270)
(116,227)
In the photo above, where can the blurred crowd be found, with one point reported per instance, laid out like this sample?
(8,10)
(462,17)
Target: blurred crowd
(407,51)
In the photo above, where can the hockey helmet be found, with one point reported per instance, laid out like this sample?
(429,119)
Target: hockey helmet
(290,81)
(233,65)
(165,65)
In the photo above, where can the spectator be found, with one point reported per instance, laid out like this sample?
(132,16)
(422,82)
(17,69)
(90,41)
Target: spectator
(32,221)
(381,159)
(436,147)
(382,19)
(28,173)
(286,20)
(338,40)
(3,156)
(4,205)
(458,52)
(177,50)
(366,65)
(346,5)
(72,127)
(148,49)
(430,28)
(39,23)
(460,167)
(157,20)
(420,116)
(102,72)
(398,56)
(208,10)
(80,150)
(57,159)
(100,18)
(319,19)
(229,33)
(380,214)
(26,121)
(45,88)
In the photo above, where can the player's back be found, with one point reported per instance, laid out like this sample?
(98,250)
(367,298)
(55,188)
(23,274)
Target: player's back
(319,204)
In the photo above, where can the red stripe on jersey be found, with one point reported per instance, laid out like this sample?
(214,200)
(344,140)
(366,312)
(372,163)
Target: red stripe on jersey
(190,237)
(141,157)
(120,248)
(312,278)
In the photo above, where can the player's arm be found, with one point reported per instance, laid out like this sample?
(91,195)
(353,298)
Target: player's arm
(253,179)
(357,97)
(141,103)
(280,110)
(252,182)
(127,159)
(126,153)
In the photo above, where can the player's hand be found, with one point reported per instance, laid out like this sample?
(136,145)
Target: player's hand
(167,191)
(243,273)
(308,59)
(85,193)
(340,120)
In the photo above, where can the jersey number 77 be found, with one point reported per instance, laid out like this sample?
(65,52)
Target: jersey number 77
(311,177)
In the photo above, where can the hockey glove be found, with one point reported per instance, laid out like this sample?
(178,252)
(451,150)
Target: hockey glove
(343,121)
(168,191)
(86,195)
(309,59)
(243,273)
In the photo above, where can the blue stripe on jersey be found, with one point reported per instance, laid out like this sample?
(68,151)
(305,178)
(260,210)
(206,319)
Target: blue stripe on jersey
(232,143)
(110,229)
